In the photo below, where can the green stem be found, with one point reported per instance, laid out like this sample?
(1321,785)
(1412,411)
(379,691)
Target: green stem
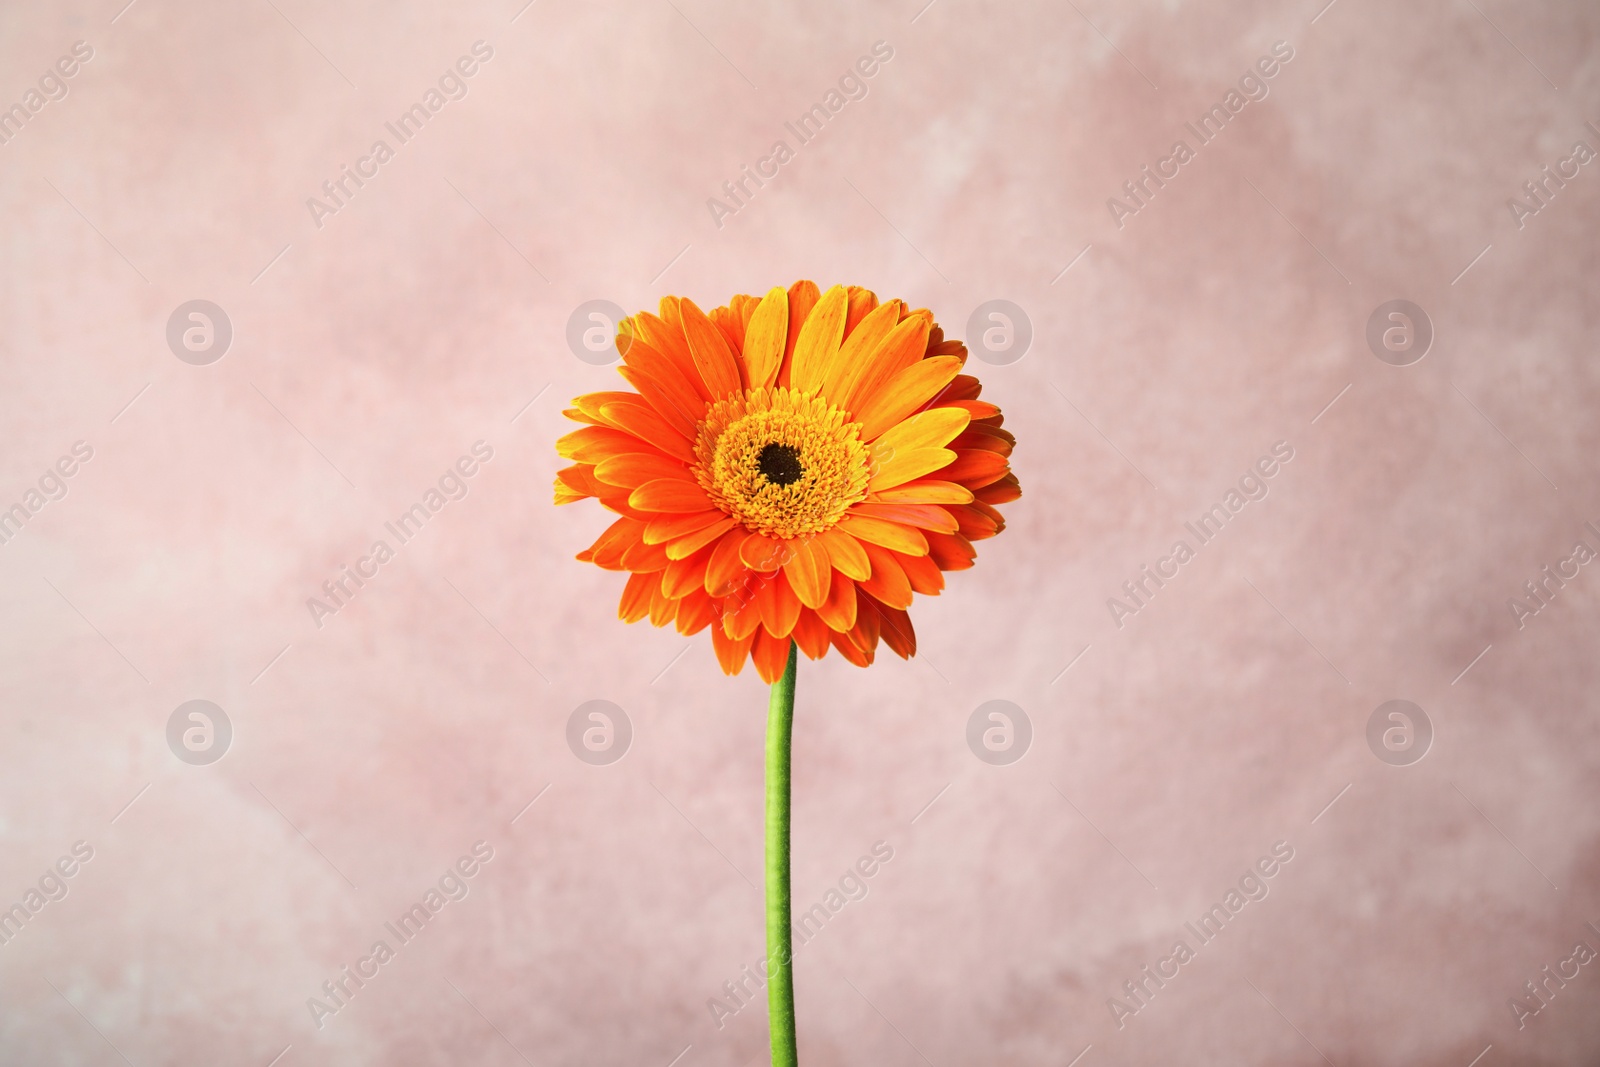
(780,954)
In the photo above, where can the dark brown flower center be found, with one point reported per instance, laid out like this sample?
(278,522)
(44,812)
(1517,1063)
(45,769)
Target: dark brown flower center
(780,464)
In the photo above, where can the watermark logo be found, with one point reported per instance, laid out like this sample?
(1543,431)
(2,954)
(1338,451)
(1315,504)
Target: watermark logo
(340,591)
(1548,983)
(52,886)
(599,732)
(744,989)
(338,192)
(453,886)
(1252,888)
(999,332)
(592,332)
(52,486)
(52,87)
(852,86)
(199,332)
(1399,333)
(1541,588)
(1399,733)
(1252,87)
(999,732)
(1141,589)
(1543,189)
(199,732)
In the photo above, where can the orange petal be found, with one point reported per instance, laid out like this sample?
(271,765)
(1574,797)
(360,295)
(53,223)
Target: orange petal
(965,387)
(731,323)
(632,469)
(670,342)
(644,557)
(684,576)
(899,467)
(771,657)
(745,305)
(671,308)
(740,616)
(580,478)
(661,529)
(712,356)
(636,596)
(983,435)
(803,296)
(673,495)
(662,608)
(779,605)
(933,428)
(922,516)
(888,582)
(845,553)
(689,544)
(897,632)
(1004,491)
(725,571)
(810,633)
(976,467)
(849,650)
(617,538)
(903,394)
(762,553)
(839,610)
(591,444)
(619,504)
(993,514)
(974,524)
(869,619)
(885,534)
(578,416)
(902,348)
(685,391)
(862,302)
(674,411)
(765,338)
(731,652)
(641,420)
(951,552)
(807,571)
(817,347)
(860,340)
(921,571)
(978,409)
(984,439)
(695,613)
(927,491)
(589,405)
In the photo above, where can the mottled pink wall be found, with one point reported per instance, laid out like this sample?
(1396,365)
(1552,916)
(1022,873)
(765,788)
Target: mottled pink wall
(430,312)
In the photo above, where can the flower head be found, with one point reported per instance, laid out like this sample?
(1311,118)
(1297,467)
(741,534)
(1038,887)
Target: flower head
(790,467)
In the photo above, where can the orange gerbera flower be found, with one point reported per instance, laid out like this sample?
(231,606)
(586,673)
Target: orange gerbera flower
(792,467)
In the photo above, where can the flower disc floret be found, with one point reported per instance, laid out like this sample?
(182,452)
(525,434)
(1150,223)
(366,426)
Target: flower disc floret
(783,464)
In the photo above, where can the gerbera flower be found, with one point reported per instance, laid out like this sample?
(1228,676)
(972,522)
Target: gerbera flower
(793,467)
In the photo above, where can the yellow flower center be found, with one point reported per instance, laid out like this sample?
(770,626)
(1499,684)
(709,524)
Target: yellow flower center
(782,463)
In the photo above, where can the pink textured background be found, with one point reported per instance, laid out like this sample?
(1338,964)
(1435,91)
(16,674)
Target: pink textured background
(429,312)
